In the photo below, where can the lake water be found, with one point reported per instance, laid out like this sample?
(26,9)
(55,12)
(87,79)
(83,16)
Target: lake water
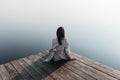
(91,28)
(98,44)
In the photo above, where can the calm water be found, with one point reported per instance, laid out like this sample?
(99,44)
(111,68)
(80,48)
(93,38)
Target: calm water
(22,40)
(92,31)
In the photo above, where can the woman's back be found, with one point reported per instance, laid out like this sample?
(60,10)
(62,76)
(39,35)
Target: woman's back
(55,44)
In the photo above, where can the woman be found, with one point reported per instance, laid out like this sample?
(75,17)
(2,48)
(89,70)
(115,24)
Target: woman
(60,47)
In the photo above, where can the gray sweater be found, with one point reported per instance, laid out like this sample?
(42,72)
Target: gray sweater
(59,52)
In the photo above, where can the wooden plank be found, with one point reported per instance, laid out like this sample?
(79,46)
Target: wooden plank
(101,67)
(42,73)
(49,70)
(29,69)
(60,71)
(21,70)
(79,72)
(82,74)
(99,74)
(65,70)
(71,74)
(91,71)
(12,71)
(4,73)
(87,77)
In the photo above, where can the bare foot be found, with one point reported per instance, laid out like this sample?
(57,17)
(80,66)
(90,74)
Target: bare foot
(45,61)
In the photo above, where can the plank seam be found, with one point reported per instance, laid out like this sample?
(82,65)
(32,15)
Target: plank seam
(16,70)
(43,69)
(81,71)
(25,70)
(97,69)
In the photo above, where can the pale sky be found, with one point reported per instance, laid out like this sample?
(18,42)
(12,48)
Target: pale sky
(103,12)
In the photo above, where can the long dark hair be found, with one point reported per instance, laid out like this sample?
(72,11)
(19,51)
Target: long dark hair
(60,34)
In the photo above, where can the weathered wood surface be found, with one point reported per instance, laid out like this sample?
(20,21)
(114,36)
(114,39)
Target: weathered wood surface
(32,68)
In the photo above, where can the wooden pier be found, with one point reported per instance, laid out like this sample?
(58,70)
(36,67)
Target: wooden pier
(32,68)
